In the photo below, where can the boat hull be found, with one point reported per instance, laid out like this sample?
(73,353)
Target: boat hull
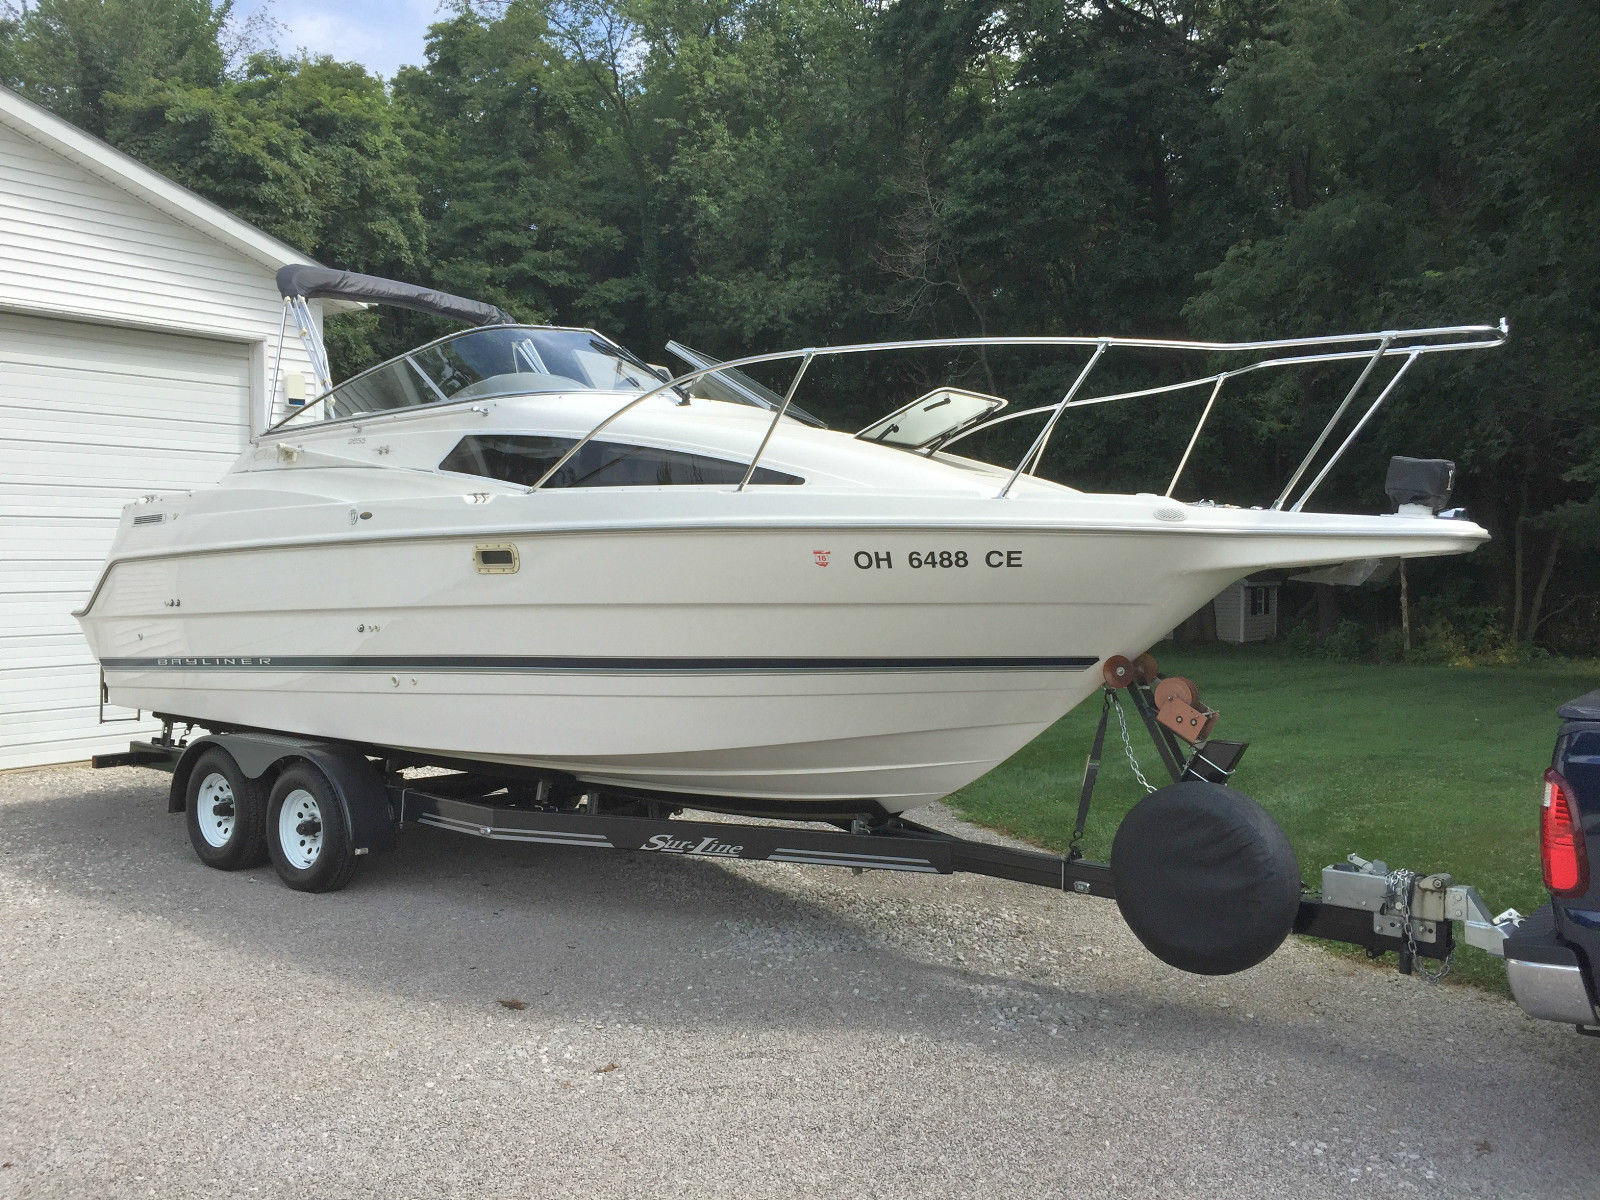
(765,666)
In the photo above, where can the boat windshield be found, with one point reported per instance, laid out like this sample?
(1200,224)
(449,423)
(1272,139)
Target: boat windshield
(496,360)
(735,387)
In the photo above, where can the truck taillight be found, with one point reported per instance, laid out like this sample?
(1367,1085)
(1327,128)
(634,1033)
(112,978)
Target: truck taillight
(1561,848)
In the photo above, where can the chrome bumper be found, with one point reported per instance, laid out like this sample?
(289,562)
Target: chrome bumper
(1551,991)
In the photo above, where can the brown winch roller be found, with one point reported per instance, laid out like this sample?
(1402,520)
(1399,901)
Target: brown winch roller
(1121,671)
(1178,707)
(1176,687)
(1118,672)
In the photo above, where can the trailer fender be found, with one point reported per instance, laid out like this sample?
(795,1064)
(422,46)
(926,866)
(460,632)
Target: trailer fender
(362,795)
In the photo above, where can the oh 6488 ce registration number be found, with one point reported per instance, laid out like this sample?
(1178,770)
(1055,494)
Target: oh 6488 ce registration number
(917,560)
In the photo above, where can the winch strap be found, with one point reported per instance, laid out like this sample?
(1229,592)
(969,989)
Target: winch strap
(1091,773)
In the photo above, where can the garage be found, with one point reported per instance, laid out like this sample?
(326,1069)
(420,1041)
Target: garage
(91,416)
(138,340)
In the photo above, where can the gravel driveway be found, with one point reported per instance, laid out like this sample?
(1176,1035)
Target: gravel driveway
(483,1020)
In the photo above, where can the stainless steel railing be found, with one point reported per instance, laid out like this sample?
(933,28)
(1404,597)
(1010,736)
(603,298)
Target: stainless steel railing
(1409,344)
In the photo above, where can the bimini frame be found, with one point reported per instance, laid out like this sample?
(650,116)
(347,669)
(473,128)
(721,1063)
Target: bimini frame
(299,283)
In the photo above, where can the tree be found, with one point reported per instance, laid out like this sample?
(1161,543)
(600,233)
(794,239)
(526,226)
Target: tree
(749,174)
(75,56)
(1066,174)
(306,148)
(310,150)
(1427,163)
(519,180)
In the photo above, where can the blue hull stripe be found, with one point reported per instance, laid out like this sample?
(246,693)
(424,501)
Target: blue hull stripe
(553,665)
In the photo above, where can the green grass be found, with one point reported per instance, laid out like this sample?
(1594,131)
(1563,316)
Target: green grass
(1432,768)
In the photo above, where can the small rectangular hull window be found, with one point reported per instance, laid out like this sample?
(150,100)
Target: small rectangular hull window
(523,459)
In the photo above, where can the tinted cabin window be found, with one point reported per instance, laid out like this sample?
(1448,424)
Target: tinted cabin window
(523,460)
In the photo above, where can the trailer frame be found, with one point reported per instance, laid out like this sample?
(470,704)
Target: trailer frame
(508,804)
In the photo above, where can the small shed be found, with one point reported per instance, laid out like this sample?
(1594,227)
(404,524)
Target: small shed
(138,328)
(1247,611)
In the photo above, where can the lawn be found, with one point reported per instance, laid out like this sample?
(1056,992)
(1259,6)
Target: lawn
(1432,768)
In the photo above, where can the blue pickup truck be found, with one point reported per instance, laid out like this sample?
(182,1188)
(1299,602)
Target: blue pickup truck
(1553,957)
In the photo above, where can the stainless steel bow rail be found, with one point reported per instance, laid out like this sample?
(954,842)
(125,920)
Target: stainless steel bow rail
(376,799)
(1369,349)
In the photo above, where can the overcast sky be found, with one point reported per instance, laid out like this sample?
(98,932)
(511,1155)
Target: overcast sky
(383,35)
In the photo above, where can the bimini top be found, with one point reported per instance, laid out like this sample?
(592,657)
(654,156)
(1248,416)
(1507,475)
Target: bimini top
(325,283)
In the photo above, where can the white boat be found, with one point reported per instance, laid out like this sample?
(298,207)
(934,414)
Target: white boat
(521,545)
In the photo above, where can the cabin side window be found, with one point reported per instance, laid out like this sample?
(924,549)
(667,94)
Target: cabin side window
(522,459)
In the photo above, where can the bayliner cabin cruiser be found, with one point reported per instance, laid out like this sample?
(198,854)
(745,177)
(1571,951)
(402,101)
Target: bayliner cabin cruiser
(517,584)
(521,544)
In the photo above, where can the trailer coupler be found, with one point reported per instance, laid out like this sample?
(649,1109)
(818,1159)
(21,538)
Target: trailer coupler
(1366,904)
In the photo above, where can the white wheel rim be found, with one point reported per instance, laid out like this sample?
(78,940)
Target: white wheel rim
(214,809)
(300,829)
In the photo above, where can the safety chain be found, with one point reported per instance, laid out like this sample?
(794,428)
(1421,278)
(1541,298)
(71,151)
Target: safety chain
(1127,744)
(1398,887)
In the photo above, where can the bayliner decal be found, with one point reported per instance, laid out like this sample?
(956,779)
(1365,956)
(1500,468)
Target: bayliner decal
(242,660)
(558,665)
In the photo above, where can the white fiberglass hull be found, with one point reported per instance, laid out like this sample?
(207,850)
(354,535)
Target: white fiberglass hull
(764,662)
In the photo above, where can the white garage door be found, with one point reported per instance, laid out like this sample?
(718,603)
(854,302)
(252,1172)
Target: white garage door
(91,417)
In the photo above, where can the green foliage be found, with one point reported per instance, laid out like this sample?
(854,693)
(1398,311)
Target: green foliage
(748,174)
(1464,636)
(506,150)
(1427,162)
(78,56)
(307,149)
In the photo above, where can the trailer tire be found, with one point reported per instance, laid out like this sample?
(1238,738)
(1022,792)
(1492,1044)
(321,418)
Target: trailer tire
(225,813)
(1205,878)
(307,834)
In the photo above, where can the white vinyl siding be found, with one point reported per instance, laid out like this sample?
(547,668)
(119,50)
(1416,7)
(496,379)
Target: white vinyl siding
(91,417)
(75,244)
(138,331)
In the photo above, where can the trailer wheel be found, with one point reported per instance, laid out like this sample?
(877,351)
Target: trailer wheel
(1205,878)
(307,834)
(225,813)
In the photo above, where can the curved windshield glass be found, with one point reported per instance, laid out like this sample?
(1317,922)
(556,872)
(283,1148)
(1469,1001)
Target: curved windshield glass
(497,360)
(733,386)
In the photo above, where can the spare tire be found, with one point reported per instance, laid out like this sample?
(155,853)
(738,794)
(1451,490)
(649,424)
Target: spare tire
(1205,878)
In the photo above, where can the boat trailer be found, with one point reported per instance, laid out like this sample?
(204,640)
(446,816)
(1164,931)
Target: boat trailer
(1205,910)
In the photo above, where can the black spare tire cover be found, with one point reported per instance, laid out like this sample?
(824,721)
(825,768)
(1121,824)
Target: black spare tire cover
(1205,877)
